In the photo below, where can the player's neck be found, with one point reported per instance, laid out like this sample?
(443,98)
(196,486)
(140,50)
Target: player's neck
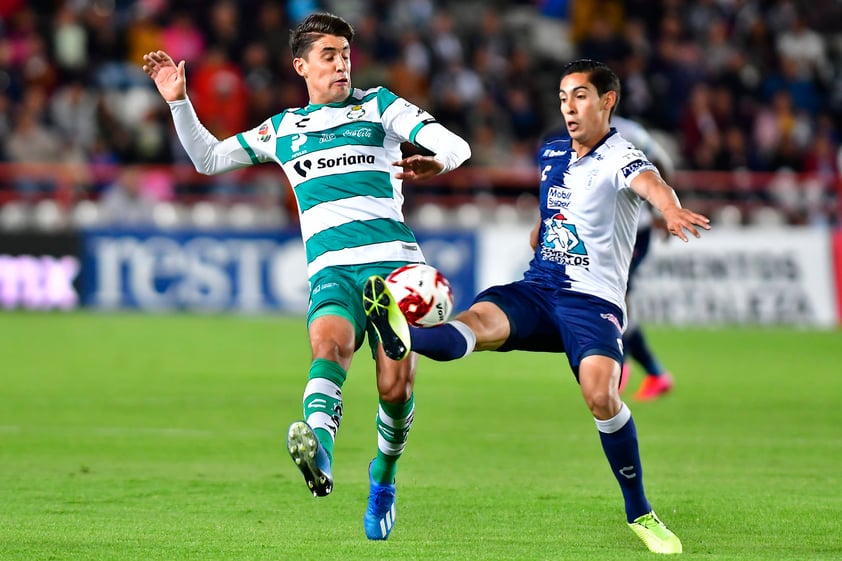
(584,146)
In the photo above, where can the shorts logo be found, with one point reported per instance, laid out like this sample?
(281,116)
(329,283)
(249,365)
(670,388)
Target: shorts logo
(613,319)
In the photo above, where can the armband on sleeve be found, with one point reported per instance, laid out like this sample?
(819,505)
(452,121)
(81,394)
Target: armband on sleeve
(449,148)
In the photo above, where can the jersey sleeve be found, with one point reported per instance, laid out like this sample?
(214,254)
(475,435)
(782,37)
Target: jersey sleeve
(208,154)
(631,163)
(408,122)
(258,142)
(400,117)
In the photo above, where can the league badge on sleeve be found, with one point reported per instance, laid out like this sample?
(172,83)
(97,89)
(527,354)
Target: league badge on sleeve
(263,133)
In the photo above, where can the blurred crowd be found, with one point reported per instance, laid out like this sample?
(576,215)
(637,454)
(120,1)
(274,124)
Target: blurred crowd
(729,84)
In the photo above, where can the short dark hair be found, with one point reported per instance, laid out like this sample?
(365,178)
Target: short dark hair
(314,26)
(599,74)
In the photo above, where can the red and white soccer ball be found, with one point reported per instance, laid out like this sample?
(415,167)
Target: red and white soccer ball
(423,294)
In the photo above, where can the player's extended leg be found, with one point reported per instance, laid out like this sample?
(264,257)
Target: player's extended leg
(384,314)
(657,381)
(445,342)
(598,377)
(310,442)
(394,419)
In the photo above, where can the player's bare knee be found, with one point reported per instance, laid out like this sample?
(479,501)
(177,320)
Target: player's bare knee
(603,404)
(488,322)
(395,391)
(332,350)
(395,379)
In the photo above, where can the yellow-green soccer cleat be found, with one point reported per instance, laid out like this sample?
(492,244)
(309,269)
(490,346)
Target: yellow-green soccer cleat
(310,457)
(655,534)
(387,318)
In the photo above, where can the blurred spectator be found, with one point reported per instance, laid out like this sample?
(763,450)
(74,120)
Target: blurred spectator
(718,47)
(734,84)
(273,33)
(778,132)
(181,38)
(73,110)
(602,41)
(30,145)
(699,127)
(408,73)
(453,93)
(447,48)
(221,99)
(636,99)
(144,34)
(70,41)
(806,49)
(609,13)
(124,201)
(224,29)
(804,92)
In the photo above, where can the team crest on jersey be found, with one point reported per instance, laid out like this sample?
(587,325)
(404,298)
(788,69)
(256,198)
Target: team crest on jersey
(263,133)
(356,112)
(561,243)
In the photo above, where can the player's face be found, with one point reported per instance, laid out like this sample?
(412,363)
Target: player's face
(585,112)
(326,69)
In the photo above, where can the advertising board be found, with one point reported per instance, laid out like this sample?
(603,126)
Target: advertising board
(225,271)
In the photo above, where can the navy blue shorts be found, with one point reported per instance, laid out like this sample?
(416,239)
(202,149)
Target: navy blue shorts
(551,320)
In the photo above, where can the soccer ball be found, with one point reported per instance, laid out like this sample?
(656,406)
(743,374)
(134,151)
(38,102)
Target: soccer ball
(423,294)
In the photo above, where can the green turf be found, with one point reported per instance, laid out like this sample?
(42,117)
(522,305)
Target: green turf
(131,437)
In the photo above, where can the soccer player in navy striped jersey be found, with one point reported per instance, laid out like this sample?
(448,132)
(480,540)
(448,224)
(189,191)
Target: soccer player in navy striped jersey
(572,297)
(340,154)
(658,381)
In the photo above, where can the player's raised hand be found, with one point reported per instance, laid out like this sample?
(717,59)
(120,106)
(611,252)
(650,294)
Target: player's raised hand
(169,78)
(418,167)
(680,219)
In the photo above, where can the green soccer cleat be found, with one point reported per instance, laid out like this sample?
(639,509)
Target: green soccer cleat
(311,458)
(654,533)
(387,318)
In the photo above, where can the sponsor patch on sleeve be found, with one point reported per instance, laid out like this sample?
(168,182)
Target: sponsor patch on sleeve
(632,167)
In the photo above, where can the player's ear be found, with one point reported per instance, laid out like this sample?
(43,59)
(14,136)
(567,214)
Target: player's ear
(299,64)
(609,100)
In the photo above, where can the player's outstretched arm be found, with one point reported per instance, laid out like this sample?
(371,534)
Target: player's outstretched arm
(169,78)
(651,187)
(450,149)
(419,167)
(208,154)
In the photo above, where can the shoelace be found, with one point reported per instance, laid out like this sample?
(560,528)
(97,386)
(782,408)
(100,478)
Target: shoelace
(383,497)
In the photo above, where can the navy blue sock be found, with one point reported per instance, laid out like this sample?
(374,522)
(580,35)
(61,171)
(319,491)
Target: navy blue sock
(635,344)
(442,342)
(623,455)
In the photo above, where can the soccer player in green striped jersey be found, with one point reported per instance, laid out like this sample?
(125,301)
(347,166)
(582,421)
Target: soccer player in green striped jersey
(341,154)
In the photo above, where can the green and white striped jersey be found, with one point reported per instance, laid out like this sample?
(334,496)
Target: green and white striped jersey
(338,158)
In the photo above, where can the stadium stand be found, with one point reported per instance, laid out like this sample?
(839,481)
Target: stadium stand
(748,95)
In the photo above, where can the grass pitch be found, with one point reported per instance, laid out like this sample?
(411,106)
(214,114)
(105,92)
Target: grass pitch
(134,437)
